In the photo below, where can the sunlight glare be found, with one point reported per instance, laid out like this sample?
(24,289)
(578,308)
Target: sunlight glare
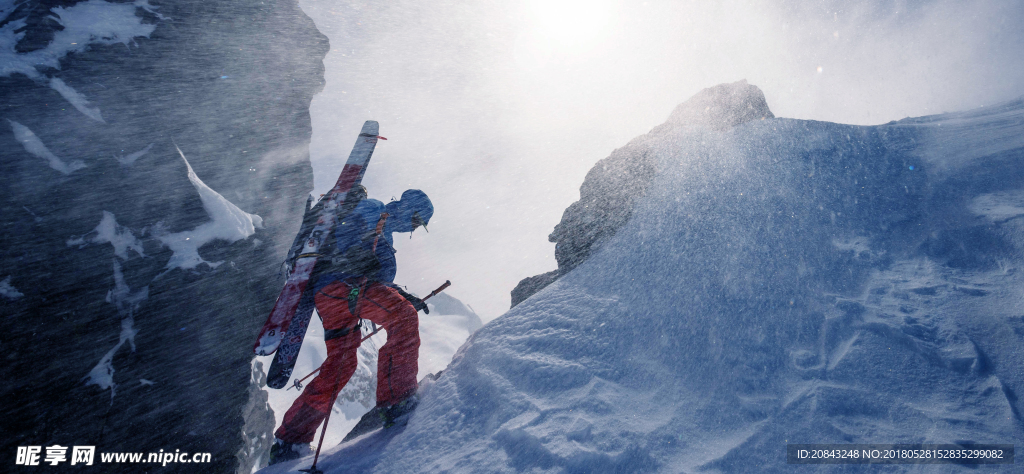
(571,22)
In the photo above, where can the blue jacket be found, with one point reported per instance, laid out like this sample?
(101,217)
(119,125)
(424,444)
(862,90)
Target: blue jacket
(358,228)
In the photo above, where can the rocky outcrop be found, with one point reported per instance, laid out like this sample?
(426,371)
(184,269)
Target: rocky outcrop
(530,285)
(721,107)
(142,279)
(257,432)
(786,281)
(613,185)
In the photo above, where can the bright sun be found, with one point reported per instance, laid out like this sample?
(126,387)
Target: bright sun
(571,21)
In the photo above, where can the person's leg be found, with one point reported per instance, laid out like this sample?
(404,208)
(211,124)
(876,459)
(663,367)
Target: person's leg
(397,360)
(310,409)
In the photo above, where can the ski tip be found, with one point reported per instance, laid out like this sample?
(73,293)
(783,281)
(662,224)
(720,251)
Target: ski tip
(277,381)
(370,127)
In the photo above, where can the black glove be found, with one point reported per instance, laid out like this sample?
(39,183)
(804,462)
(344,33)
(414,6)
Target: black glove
(416,302)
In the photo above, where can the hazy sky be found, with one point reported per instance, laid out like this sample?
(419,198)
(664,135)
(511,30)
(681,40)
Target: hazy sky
(497,109)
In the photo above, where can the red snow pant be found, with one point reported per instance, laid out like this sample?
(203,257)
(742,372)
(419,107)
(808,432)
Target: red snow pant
(396,364)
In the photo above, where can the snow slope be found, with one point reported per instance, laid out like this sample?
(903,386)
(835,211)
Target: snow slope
(784,281)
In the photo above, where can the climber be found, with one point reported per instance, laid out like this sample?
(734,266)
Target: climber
(354,284)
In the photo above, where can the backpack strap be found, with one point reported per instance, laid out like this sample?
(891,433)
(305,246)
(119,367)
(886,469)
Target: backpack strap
(380,229)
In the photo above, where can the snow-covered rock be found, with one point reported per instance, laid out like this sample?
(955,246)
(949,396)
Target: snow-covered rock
(611,189)
(33,145)
(782,281)
(97,95)
(227,223)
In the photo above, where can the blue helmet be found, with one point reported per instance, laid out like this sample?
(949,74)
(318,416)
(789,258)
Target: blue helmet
(414,209)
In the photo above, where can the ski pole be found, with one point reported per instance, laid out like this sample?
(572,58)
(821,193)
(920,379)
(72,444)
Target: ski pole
(312,469)
(439,289)
(330,409)
(298,383)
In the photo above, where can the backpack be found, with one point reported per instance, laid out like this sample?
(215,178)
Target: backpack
(358,259)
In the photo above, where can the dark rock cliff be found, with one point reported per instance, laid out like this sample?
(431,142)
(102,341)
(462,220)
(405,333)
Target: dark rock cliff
(613,185)
(113,337)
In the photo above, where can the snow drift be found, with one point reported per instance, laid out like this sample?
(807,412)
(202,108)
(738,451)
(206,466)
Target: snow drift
(782,281)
